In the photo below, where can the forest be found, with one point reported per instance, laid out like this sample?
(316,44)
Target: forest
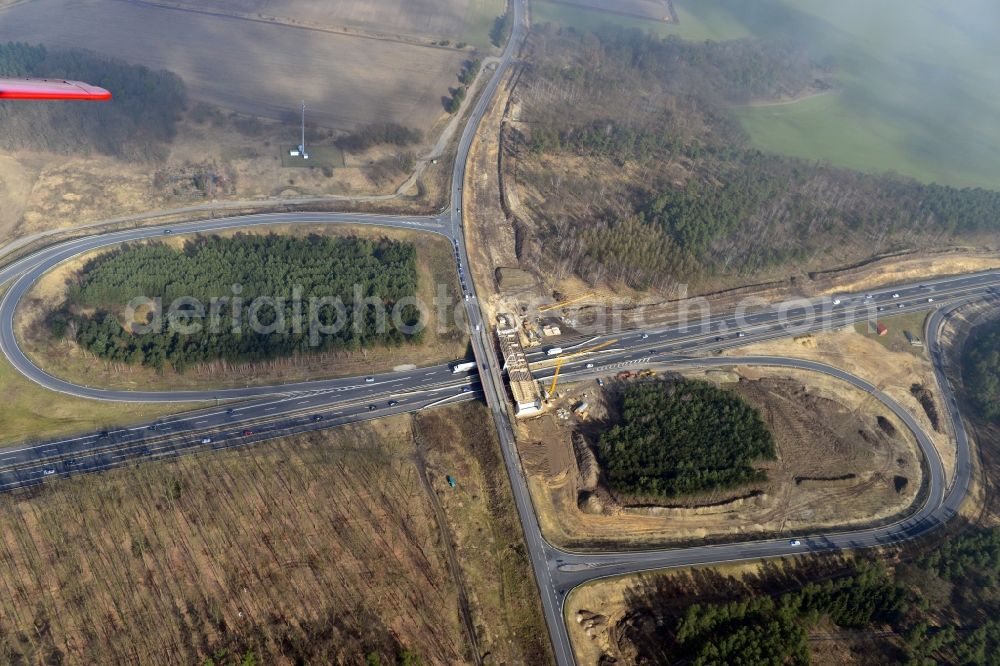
(266,267)
(679,437)
(772,630)
(939,607)
(674,192)
(136,125)
(981,370)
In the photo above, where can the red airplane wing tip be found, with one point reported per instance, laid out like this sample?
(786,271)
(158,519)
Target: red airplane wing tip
(51,89)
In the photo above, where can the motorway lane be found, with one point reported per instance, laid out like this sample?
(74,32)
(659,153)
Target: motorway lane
(224,425)
(27,271)
(792,318)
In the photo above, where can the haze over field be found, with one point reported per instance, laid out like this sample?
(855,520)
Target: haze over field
(916,89)
(251,66)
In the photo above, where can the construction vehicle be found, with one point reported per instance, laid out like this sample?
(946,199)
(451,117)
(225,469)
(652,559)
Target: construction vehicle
(646,373)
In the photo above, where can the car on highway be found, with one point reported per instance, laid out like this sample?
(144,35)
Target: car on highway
(206,440)
(930,300)
(369,380)
(247,433)
(895,295)
(718,338)
(372,408)
(590,365)
(317,417)
(741,334)
(48,471)
(393,403)
(644,336)
(466,389)
(836,301)
(901,305)
(794,542)
(167,231)
(881,308)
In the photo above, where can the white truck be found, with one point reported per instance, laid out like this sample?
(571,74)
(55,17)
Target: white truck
(553,351)
(464,366)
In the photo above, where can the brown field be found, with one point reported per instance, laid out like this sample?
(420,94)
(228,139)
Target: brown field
(658,10)
(426,19)
(65,359)
(836,466)
(42,191)
(315,549)
(256,68)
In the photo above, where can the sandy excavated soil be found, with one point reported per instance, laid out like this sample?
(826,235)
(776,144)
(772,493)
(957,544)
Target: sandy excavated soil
(256,68)
(892,372)
(835,466)
(490,240)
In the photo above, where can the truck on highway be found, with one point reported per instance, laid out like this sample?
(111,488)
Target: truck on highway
(553,351)
(464,366)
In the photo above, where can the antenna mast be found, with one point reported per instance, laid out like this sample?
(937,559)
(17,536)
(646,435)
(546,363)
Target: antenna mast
(302,146)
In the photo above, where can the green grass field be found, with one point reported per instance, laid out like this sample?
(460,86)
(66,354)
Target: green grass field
(895,340)
(698,21)
(480,18)
(918,90)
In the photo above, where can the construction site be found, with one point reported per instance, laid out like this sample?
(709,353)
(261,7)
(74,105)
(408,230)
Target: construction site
(530,396)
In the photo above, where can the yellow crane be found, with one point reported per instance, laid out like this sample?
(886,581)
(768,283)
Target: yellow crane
(553,306)
(563,359)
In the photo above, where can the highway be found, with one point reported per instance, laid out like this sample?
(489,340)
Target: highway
(219,427)
(265,412)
